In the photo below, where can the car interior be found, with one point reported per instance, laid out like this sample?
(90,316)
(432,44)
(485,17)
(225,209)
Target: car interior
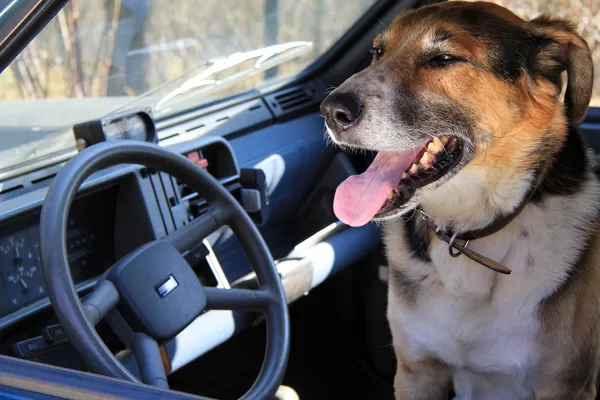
(208,160)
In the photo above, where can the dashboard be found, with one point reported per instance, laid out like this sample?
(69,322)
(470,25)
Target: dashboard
(116,210)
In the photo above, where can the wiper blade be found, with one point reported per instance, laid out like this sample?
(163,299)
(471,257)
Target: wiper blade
(267,57)
(140,100)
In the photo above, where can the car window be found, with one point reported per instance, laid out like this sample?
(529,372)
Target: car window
(96,56)
(585,14)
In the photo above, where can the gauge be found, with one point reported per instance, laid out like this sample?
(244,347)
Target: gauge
(12,248)
(23,277)
(130,128)
(131,125)
(21,271)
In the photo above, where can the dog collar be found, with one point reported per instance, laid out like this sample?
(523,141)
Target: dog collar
(455,249)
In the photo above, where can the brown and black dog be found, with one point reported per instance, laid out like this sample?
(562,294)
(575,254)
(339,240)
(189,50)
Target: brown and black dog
(473,113)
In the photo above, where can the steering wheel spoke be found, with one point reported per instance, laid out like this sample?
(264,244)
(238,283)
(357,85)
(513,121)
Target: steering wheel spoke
(149,360)
(237,299)
(100,302)
(207,223)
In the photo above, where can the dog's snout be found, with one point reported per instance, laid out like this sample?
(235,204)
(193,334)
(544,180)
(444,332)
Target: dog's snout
(341,111)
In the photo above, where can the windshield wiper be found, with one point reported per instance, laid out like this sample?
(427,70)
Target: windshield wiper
(204,82)
(267,57)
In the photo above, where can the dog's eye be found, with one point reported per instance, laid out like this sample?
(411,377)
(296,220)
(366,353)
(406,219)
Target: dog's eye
(443,60)
(377,52)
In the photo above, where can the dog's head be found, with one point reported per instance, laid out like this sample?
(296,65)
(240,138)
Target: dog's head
(463,94)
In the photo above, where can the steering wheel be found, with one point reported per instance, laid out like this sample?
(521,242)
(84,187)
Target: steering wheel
(153,288)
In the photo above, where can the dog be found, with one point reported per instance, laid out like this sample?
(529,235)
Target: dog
(488,197)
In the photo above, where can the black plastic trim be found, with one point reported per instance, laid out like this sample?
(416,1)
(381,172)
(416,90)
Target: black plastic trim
(39,14)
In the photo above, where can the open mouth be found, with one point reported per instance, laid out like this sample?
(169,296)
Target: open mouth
(393,178)
(431,163)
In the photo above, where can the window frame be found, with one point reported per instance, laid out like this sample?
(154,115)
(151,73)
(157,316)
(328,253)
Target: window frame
(19,27)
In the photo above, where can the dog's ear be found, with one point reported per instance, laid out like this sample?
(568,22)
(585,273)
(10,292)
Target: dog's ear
(565,50)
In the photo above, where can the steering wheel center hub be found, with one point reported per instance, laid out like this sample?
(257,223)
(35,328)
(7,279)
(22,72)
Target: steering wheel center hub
(160,293)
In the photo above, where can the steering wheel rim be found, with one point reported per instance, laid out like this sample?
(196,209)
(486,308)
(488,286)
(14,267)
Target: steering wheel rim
(65,300)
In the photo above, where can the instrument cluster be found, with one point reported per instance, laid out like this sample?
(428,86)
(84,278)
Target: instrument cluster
(89,245)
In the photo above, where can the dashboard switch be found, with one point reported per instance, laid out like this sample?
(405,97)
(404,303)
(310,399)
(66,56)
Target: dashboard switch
(197,159)
(193,156)
(251,200)
(53,333)
(30,347)
(254,197)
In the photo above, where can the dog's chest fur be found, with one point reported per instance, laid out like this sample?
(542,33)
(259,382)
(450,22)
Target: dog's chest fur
(483,324)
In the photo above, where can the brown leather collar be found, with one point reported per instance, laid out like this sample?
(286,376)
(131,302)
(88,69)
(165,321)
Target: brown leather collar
(495,226)
(456,249)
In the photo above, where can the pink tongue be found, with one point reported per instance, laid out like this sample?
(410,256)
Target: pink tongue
(360,197)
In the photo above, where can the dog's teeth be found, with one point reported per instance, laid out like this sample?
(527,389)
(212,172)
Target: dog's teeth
(426,159)
(404,176)
(391,195)
(435,146)
(444,139)
(413,169)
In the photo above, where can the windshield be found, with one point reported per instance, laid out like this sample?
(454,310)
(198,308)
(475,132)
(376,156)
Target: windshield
(97,57)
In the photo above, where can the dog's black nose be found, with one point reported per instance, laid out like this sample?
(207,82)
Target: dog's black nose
(341,111)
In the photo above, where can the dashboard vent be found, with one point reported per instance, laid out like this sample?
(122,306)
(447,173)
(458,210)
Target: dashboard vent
(292,99)
(227,120)
(26,183)
(4,191)
(299,98)
(46,178)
